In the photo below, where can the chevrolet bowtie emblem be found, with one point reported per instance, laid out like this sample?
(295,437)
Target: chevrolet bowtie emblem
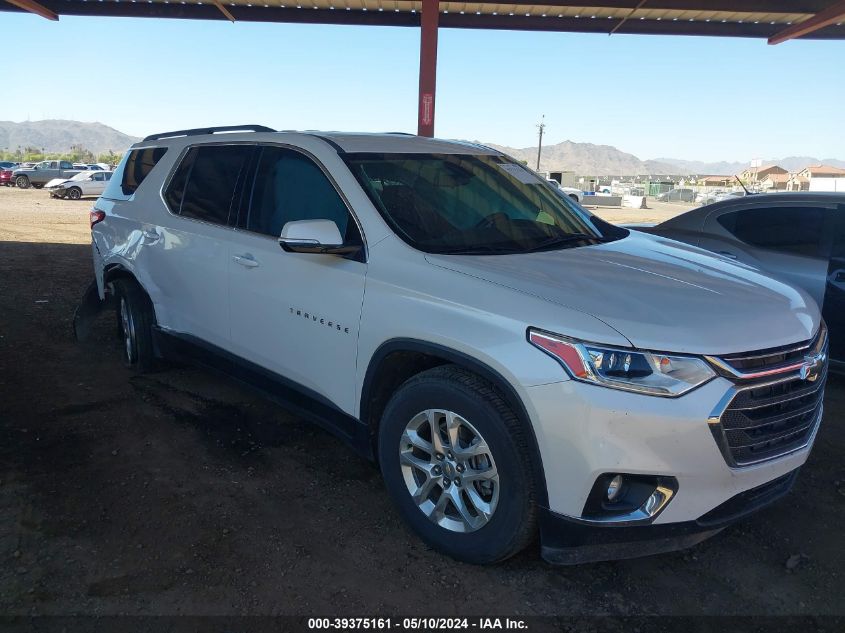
(812,367)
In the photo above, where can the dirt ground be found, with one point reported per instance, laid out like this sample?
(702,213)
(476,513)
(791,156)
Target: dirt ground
(182,492)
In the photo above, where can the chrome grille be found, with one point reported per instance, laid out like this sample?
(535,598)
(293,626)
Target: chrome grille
(769,362)
(776,415)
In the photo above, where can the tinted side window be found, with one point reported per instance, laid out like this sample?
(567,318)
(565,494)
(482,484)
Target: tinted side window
(176,188)
(290,186)
(211,181)
(138,165)
(796,230)
(66,165)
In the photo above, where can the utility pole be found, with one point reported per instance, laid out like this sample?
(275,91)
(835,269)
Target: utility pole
(540,127)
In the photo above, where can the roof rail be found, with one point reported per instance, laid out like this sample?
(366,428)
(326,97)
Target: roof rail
(210,130)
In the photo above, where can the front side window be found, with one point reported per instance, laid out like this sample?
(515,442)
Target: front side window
(796,230)
(203,187)
(64,165)
(473,204)
(289,186)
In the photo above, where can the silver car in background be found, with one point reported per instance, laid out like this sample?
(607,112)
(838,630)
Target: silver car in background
(798,237)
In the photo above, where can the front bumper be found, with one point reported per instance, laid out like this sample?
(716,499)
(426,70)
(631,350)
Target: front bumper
(586,431)
(566,541)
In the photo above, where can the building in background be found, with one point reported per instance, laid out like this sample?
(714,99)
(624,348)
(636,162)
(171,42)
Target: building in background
(818,178)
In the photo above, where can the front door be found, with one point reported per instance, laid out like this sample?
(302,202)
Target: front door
(296,314)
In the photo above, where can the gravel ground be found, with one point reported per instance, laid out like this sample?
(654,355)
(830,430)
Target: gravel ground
(182,492)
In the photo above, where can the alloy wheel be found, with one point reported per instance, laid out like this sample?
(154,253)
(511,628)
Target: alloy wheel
(449,470)
(128,327)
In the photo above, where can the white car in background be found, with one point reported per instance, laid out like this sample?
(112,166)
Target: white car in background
(86,183)
(717,196)
(572,192)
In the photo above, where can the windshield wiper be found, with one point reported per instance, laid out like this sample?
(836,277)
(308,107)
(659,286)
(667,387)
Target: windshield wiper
(483,249)
(566,239)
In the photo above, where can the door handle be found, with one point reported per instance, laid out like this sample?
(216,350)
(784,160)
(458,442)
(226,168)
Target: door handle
(245,260)
(727,254)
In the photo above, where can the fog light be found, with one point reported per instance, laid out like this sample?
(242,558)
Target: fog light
(614,488)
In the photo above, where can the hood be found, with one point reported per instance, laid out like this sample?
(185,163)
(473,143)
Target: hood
(660,294)
(56,182)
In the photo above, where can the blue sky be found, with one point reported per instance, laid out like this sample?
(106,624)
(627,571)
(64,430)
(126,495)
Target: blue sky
(679,97)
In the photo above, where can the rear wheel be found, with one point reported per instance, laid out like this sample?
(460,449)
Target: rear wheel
(134,324)
(456,463)
(74,193)
(22,182)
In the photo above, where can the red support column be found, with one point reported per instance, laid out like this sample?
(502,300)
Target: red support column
(428,66)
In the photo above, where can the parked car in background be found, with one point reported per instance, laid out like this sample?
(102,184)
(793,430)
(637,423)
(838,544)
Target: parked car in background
(5,164)
(798,237)
(80,166)
(572,192)
(6,177)
(677,195)
(490,344)
(85,183)
(717,196)
(42,173)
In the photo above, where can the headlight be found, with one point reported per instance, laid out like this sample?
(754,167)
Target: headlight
(651,373)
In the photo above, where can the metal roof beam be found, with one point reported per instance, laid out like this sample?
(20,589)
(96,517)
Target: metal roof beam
(832,15)
(224,10)
(34,7)
(730,6)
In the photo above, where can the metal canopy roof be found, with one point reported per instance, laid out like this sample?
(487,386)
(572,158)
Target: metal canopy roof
(774,19)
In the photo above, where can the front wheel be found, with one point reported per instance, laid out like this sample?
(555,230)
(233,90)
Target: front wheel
(134,324)
(74,193)
(22,182)
(455,461)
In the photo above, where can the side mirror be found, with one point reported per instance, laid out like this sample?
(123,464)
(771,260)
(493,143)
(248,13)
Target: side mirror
(314,236)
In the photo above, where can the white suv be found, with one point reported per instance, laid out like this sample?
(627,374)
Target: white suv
(513,363)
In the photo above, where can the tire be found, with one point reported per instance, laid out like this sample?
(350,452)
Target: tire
(22,182)
(36,186)
(135,319)
(74,193)
(574,197)
(450,393)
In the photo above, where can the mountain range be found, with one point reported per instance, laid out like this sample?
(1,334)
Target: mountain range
(57,135)
(604,160)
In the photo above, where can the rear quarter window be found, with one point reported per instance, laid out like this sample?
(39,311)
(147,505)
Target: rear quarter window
(132,171)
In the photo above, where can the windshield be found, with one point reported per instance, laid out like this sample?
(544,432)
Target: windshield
(470,204)
(82,175)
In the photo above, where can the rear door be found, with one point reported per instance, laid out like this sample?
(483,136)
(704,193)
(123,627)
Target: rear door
(834,300)
(187,254)
(790,243)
